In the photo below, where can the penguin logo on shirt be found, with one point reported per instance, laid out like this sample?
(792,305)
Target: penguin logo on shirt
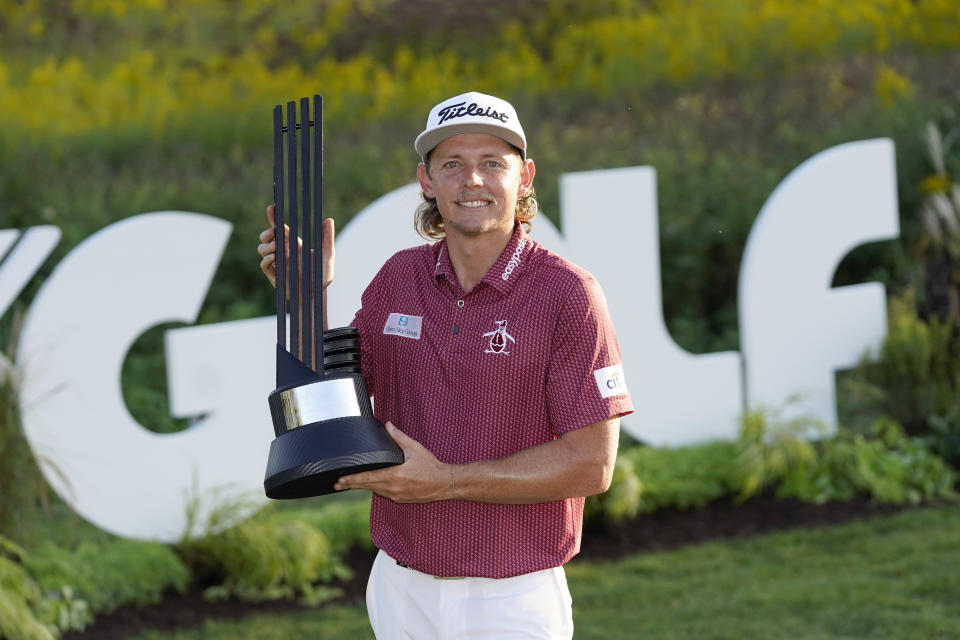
(498,339)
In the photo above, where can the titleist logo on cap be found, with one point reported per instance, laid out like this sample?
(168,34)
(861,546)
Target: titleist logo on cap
(458,110)
(471,112)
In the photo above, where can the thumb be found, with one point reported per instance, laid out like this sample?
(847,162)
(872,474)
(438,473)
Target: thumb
(271,215)
(404,441)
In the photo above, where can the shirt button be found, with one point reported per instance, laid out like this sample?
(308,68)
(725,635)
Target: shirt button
(460,303)
(456,330)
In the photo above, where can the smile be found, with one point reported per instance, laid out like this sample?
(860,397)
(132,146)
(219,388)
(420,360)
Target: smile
(473,204)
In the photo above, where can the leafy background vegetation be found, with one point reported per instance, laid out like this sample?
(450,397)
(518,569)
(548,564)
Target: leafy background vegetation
(112,108)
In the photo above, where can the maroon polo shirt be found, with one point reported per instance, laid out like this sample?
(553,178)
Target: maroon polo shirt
(525,356)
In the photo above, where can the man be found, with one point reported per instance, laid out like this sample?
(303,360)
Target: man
(503,392)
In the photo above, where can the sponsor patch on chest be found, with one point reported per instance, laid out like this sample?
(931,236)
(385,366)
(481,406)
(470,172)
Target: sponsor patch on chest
(401,324)
(610,381)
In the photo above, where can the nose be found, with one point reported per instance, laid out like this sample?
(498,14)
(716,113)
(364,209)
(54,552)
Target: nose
(472,177)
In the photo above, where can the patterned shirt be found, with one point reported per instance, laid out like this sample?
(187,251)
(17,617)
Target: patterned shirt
(526,355)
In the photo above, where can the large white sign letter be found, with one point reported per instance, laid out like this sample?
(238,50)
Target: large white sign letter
(795,330)
(119,282)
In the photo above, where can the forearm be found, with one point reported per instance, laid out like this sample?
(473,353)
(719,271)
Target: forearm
(578,463)
(562,468)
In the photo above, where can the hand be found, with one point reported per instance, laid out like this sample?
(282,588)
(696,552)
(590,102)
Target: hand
(421,477)
(268,249)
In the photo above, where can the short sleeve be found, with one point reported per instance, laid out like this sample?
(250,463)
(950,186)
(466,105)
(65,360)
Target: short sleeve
(585,382)
(364,321)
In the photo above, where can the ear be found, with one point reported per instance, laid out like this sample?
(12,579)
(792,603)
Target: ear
(424,179)
(527,171)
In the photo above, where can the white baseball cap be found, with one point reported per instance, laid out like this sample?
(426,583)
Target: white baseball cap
(471,113)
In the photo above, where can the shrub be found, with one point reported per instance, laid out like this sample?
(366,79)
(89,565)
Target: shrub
(345,523)
(20,597)
(646,479)
(267,557)
(914,378)
(891,468)
(887,467)
(108,575)
(769,447)
(684,477)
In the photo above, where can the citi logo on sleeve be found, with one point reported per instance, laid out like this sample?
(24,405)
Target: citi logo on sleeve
(401,324)
(498,339)
(610,381)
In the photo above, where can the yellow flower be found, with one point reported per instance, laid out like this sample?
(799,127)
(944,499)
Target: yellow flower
(936,184)
(890,86)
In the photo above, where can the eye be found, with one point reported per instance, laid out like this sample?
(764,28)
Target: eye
(450,164)
(493,164)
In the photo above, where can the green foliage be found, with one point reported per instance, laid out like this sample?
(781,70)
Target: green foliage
(53,589)
(774,452)
(66,611)
(888,467)
(944,435)
(20,597)
(940,214)
(21,483)
(108,575)
(345,522)
(266,557)
(914,378)
(770,447)
(646,479)
(684,477)
(891,468)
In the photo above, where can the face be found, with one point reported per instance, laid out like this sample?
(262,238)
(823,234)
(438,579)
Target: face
(476,179)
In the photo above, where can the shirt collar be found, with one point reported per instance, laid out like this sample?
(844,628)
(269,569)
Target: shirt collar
(504,272)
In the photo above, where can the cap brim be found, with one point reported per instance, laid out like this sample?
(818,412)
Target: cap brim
(428,140)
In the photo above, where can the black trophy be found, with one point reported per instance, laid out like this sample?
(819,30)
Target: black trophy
(322,417)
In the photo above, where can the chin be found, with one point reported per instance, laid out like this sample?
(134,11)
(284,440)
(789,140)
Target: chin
(474,229)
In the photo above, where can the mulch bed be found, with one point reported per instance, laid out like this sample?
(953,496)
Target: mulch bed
(665,529)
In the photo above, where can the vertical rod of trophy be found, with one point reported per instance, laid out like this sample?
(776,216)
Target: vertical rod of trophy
(306,278)
(294,231)
(318,229)
(280,236)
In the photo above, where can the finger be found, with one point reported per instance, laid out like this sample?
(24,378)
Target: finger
(271,215)
(368,480)
(329,233)
(269,270)
(266,249)
(364,478)
(267,235)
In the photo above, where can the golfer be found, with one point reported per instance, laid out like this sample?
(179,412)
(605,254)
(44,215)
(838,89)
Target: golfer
(495,367)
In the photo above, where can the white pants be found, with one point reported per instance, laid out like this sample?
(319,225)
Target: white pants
(405,604)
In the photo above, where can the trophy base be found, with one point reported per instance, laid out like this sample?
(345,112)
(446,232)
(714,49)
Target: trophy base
(308,460)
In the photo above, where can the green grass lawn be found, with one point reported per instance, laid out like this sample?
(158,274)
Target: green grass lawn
(891,577)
